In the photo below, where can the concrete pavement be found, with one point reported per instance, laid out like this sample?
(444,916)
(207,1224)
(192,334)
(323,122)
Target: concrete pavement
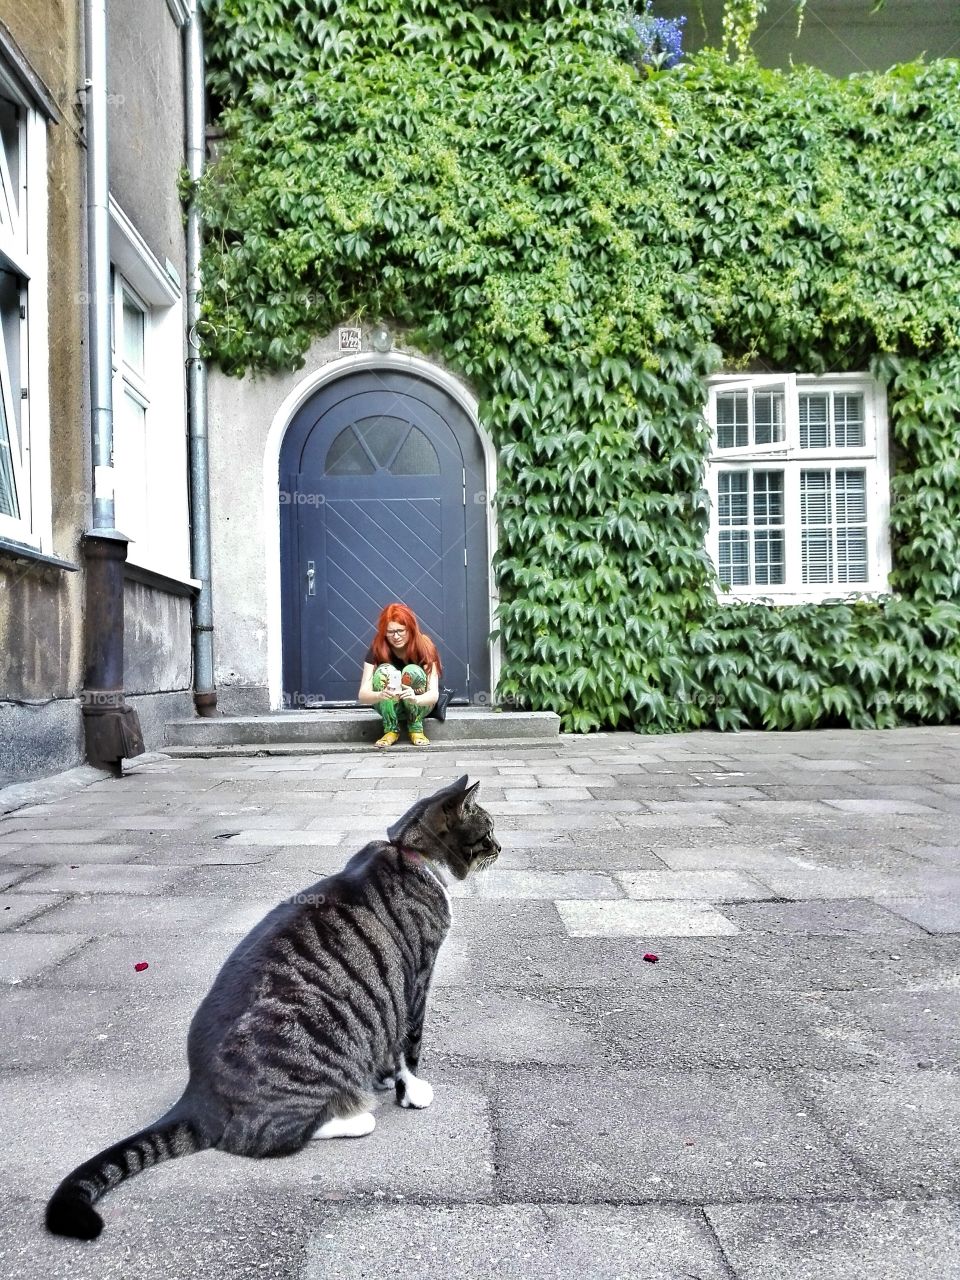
(777,1098)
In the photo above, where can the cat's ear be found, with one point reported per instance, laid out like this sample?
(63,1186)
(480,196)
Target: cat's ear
(462,793)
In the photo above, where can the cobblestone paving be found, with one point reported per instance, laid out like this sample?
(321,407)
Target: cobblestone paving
(777,1098)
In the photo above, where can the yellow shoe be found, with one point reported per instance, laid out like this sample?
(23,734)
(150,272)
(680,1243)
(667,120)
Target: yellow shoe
(387,740)
(418,739)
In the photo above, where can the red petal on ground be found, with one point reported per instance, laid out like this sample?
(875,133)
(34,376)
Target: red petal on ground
(651,958)
(141,966)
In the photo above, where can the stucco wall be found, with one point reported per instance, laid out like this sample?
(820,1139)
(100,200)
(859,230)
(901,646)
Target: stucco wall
(145,113)
(156,640)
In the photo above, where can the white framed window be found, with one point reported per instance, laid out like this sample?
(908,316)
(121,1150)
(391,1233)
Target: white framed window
(798,478)
(25,498)
(149,404)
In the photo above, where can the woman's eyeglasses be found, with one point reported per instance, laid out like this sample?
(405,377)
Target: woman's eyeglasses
(398,631)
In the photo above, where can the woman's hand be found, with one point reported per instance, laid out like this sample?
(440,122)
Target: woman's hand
(406,694)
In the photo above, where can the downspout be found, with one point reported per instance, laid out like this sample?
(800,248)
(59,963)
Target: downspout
(204,687)
(111,728)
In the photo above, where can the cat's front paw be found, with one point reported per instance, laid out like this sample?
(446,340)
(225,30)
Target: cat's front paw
(383,1084)
(414,1092)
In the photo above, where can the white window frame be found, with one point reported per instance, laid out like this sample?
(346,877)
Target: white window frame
(872,457)
(23,252)
(157,519)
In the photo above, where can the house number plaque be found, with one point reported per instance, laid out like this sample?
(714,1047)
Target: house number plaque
(349,341)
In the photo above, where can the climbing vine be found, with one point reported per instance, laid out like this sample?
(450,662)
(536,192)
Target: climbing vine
(585,242)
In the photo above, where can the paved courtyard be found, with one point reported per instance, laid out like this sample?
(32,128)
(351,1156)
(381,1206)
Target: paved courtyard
(777,1098)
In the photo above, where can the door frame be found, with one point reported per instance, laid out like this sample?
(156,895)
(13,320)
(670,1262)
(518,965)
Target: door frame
(332,371)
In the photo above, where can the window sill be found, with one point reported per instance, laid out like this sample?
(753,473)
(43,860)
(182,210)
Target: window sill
(21,553)
(159,581)
(835,596)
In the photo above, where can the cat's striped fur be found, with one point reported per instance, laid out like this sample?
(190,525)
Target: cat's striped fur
(320,1004)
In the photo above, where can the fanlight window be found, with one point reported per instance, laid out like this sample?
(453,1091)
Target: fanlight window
(382,444)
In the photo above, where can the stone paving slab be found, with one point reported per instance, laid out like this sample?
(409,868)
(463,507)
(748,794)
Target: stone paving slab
(707,1024)
(46,1028)
(891,1240)
(939,914)
(537,1242)
(897,1126)
(681,1136)
(508,1026)
(593,919)
(905,1028)
(838,918)
(701,886)
(27,955)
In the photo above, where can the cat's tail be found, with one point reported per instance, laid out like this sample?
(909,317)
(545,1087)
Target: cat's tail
(70,1210)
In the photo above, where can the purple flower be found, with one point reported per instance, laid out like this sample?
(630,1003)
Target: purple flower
(660,40)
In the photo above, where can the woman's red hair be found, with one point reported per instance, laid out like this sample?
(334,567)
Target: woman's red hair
(419,647)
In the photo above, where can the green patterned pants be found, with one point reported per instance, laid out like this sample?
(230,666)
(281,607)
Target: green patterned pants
(413,677)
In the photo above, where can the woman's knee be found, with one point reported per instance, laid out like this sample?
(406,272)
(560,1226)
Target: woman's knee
(415,677)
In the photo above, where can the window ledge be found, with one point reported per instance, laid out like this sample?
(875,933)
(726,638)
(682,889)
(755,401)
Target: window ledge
(22,553)
(173,586)
(801,597)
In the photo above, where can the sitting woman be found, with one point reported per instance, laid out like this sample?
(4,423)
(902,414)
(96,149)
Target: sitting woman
(401,672)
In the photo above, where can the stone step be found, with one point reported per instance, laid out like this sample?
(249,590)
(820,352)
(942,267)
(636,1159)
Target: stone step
(357,727)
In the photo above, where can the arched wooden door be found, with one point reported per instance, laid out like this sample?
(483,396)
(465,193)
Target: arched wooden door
(380,477)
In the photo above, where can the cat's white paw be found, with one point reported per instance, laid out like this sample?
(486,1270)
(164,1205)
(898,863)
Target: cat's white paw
(385,1084)
(357,1126)
(417,1093)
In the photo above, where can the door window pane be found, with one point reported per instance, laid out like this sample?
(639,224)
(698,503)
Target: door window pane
(347,456)
(8,490)
(417,456)
(382,436)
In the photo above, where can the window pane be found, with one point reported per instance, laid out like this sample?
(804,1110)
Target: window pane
(769,558)
(417,457)
(8,491)
(851,497)
(9,389)
(133,323)
(768,497)
(347,456)
(848,421)
(768,416)
(816,544)
(815,497)
(732,505)
(814,422)
(733,429)
(734,567)
(10,120)
(851,491)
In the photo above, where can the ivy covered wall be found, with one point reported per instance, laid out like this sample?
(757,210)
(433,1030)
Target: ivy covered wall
(585,243)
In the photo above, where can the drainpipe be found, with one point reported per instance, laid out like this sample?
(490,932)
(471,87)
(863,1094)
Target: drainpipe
(204,688)
(111,728)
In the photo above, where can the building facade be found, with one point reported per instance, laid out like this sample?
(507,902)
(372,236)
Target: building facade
(46,480)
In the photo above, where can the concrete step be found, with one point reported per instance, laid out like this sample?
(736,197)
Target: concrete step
(357,727)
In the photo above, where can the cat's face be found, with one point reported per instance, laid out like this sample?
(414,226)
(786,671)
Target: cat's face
(452,828)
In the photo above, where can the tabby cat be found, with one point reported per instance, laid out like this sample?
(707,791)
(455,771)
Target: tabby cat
(320,1004)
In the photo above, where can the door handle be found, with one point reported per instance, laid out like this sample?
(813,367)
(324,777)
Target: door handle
(311,578)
